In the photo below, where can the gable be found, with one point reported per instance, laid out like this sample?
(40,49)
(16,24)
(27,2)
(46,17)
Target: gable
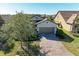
(58,18)
(46,24)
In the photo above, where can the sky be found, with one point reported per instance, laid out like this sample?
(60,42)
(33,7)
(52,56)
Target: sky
(37,8)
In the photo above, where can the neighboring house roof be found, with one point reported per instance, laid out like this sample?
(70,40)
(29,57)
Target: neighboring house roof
(37,17)
(69,16)
(5,17)
(1,19)
(41,21)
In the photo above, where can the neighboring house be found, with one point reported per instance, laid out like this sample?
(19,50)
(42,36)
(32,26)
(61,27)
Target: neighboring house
(3,18)
(46,26)
(1,21)
(37,18)
(66,19)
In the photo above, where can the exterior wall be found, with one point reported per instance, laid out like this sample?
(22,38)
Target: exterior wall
(59,19)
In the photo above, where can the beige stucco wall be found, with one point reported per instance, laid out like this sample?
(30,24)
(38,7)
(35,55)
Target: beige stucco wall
(59,19)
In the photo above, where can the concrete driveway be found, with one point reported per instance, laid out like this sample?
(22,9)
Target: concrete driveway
(50,46)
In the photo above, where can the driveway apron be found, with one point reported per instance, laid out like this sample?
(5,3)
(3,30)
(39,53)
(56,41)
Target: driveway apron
(50,46)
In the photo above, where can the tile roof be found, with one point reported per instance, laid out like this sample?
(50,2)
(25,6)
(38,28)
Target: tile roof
(67,14)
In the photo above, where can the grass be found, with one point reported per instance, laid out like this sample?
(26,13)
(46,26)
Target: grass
(72,46)
(13,51)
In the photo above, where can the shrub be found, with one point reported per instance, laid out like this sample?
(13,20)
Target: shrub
(60,34)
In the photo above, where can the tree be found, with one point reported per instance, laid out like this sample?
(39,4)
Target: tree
(50,18)
(19,27)
(76,23)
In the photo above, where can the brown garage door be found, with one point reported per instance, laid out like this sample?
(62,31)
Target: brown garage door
(46,30)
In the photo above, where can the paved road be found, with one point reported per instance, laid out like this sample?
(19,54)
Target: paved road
(52,47)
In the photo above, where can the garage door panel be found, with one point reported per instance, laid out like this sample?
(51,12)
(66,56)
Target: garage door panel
(46,30)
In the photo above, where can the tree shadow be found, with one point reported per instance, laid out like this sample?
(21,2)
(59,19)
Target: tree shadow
(6,49)
(60,36)
(63,36)
(29,50)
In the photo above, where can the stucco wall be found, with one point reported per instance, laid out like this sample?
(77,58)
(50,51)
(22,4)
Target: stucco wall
(59,19)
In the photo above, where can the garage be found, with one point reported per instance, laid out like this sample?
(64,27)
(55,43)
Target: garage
(46,30)
(46,26)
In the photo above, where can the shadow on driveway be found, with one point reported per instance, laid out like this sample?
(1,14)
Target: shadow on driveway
(48,36)
(66,38)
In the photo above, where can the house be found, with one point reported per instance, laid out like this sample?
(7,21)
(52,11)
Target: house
(3,18)
(66,19)
(37,18)
(46,26)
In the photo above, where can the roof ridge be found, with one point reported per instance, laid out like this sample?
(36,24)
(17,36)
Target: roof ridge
(69,11)
(42,21)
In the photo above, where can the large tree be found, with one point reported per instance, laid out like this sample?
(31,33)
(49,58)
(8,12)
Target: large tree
(19,27)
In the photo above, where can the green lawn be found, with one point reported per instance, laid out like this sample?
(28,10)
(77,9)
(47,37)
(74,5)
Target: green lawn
(72,46)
